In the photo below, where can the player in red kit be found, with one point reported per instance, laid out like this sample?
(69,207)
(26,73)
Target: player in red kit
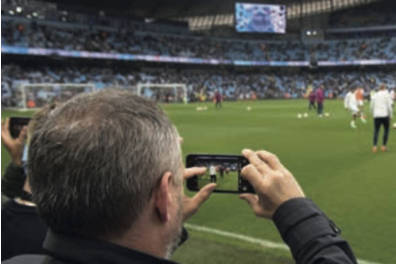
(218,99)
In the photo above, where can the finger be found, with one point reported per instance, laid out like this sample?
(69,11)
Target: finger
(252,175)
(5,132)
(203,194)
(255,160)
(23,134)
(189,172)
(253,202)
(5,124)
(271,159)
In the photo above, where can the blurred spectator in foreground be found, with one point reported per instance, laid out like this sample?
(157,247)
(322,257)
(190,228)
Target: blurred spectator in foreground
(14,177)
(22,230)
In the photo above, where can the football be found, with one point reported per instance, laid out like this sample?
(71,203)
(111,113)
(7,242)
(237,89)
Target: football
(394,125)
(299,116)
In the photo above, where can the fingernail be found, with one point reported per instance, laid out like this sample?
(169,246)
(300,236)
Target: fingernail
(244,151)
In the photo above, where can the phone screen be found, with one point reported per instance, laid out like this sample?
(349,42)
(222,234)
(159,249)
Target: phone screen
(224,170)
(16,125)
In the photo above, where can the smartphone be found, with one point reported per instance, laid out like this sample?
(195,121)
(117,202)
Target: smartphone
(224,170)
(16,125)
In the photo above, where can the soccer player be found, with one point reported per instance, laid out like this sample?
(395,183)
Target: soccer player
(372,93)
(381,106)
(359,94)
(319,95)
(212,173)
(221,169)
(352,104)
(311,98)
(393,96)
(218,99)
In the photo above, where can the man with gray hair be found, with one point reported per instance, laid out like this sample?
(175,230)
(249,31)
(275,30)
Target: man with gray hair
(107,177)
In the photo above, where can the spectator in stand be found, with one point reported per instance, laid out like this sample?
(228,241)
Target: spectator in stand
(232,84)
(16,33)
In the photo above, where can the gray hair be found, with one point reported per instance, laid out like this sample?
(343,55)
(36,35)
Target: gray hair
(94,162)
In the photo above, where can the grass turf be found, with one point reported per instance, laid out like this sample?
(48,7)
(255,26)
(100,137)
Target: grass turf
(331,161)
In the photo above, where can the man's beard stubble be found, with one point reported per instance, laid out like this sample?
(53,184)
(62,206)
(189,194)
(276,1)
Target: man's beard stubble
(177,234)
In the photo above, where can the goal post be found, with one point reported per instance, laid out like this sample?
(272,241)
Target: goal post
(170,92)
(33,96)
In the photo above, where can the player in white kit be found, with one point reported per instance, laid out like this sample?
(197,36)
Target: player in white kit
(351,104)
(381,106)
(212,173)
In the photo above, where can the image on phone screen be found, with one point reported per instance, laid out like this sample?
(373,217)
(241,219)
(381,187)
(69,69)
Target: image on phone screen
(224,170)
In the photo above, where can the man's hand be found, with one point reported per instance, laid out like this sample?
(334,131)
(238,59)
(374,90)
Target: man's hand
(13,145)
(192,204)
(273,183)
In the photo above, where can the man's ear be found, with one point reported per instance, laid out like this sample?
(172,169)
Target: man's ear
(162,195)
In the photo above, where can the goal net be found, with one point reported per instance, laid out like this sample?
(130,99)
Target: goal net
(31,96)
(164,93)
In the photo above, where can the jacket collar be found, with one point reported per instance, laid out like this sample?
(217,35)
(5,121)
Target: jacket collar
(73,249)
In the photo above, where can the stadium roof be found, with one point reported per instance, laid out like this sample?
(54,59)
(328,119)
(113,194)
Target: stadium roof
(176,8)
(204,14)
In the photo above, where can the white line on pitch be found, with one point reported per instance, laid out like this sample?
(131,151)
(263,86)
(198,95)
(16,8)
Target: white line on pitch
(258,241)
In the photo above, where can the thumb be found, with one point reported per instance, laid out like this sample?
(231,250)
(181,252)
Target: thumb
(254,203)
(204,194)
(191,205)
(251,199)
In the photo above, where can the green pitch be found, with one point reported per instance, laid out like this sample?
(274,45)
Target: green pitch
(332,162)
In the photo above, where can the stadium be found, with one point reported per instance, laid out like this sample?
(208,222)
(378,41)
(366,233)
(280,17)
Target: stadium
(185,55)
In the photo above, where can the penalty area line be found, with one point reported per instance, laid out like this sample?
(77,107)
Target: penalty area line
(253,240)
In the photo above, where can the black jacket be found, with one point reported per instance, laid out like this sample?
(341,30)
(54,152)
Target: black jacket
(311,236)
(13,180)
(22,230)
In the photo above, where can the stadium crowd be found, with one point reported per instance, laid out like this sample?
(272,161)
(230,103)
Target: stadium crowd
(25,33)
(360,49)
(233,85)
(138,42)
